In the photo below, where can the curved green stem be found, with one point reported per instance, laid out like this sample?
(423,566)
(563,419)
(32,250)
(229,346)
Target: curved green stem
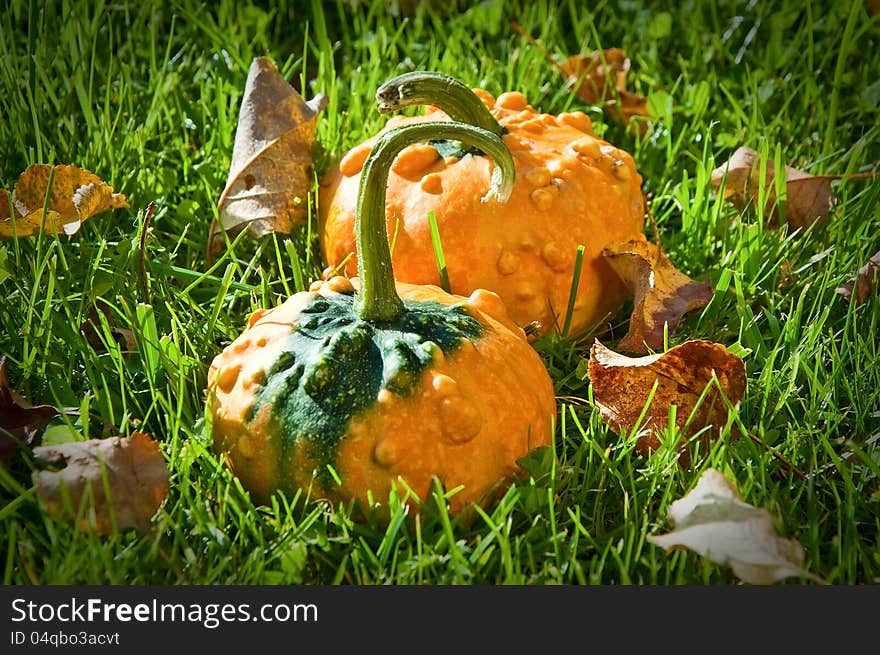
(377,299)
(449,94)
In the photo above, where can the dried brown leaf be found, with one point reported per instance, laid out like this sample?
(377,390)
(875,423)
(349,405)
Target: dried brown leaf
(662,294)
(76,195)
(598,75)
(622,386)
(100,322)
(808,198)
(20,422)
(600,79)
(626,107)
(132,469)
(864,281)
(270,173)
(713,520)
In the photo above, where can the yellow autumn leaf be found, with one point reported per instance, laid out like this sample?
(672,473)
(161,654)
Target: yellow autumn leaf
(76,195)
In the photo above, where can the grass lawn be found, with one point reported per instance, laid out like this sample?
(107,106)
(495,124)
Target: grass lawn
(146,95)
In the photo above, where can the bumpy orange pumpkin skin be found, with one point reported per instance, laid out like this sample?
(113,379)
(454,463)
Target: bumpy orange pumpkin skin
(571,189)
(471,415)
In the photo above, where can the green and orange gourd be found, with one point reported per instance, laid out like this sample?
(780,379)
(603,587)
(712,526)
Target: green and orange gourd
(350,388)
(572,189)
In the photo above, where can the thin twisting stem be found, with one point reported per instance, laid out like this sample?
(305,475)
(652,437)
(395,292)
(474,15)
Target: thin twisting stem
(377,299)
(449,94)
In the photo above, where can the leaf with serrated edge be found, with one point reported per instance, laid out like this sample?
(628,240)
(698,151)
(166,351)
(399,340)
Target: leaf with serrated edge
(713,520)
(270,173)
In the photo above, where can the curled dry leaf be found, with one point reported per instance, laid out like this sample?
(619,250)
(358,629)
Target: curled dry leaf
(600,79)
(808,198)
(271,168)
(662,294)
(20,422)
(866,279)
(76,195)
(122,479)
(622,386)
(713,520)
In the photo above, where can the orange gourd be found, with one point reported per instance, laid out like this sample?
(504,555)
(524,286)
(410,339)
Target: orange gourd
(357,387)
(571,189)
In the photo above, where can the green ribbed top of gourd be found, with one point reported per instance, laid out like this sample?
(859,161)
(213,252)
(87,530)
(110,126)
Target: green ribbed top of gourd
(334,364)
(283,397)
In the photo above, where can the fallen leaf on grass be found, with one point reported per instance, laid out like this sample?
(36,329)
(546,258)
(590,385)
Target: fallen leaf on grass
(600,79)
(662,294)
(713,520)
(76,195)
(270,173)
(808,198)
(627,106)
(20,422)
(866,279)
(100,322)
(622,386)
(126,479)
(598,75)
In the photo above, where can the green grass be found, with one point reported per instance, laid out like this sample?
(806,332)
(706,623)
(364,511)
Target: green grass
(147,94)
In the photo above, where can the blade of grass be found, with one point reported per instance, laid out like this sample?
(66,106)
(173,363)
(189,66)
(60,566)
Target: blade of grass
(439,257)
(572,294)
